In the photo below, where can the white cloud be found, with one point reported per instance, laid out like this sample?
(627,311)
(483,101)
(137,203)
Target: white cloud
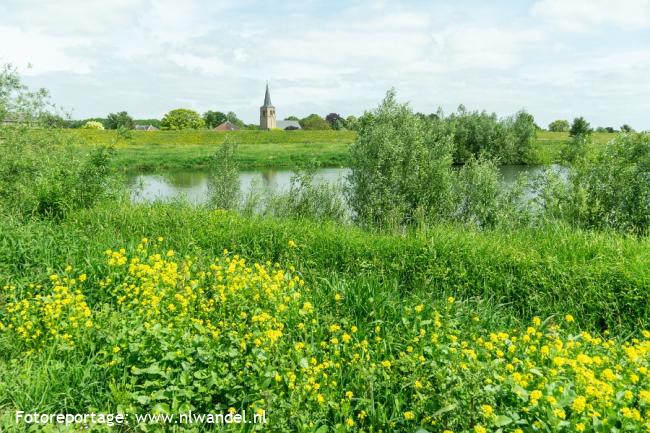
(581,15)
(147,56)
(204,65)
(43,52)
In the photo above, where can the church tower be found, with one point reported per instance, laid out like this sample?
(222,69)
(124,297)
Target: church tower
(267,112)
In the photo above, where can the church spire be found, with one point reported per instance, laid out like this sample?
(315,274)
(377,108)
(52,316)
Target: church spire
(267,97)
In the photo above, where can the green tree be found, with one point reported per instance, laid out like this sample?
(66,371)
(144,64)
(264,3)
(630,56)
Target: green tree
(314,122)
(213,119)
(400,168)
(559,126)
(524,131)
(351,122)
(232,118)
(292,118)
(152,122)
(580,127)
(119,120)
(626,128)
(335,120)
(182,118)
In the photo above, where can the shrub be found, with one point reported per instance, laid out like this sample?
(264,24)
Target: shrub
(608,190)
(93,124)
(400,167)
(314,122)
(223,183)
(308,199)
(559,126)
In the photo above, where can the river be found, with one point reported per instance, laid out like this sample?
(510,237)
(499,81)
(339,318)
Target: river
(192,185)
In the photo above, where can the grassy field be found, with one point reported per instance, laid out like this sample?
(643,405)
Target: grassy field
(279,149)
(113,310)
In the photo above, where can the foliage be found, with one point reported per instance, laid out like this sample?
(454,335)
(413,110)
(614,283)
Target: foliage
(119,120)
(19,104)
(177,334)
(314,122)
(181,119)
(52,121)
(559,126)
(292,118)
(213,119)
(608,190)
(335,120)
(92,124)
(627,128)
(223,185)
(580,127)
(308,199)
(483,134)
(152,122)
(232,118)
(480,198)
(400,168)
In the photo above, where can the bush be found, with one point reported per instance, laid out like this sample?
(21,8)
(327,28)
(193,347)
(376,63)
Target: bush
(93,124)
(223,184)
(608,190)
(580,127)
(182,118)
(400,168)
(315,123)
(307,199)
(559,126)
(478,194)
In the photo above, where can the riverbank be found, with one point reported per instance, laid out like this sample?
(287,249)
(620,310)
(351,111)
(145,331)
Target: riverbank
(601,278)
(162,150)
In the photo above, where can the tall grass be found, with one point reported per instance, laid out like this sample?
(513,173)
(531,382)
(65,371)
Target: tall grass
(602,278)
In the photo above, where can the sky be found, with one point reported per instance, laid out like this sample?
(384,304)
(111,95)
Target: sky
(557,59)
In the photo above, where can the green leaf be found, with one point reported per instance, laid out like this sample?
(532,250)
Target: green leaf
(445,409)
(502,420)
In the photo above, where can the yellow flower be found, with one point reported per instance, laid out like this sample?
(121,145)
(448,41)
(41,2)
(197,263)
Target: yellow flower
(346,338)
(338,297)
(487,410)
(349,395)
(568,318)
(579,404)
(408,415)
(116,349)
(419,308)
(580,427)
(292,244)
(349,422)
(386,364)
(479,429)
(451,299)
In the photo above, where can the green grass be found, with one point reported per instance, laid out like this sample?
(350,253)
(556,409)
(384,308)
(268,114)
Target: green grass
(500,280)
(192,149)
(603,279)
(148,151)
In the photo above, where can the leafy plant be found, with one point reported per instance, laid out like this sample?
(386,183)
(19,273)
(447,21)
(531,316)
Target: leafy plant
(182,118)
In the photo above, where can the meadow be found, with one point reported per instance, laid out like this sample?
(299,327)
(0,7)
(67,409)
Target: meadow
(159,150)
(442,302)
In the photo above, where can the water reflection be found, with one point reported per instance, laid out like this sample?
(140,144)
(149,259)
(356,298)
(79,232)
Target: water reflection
(192,185)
